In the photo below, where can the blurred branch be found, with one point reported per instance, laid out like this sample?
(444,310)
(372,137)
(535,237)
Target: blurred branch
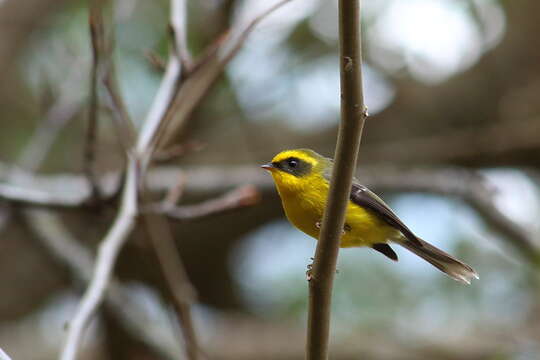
(497,139)
(245,338)
(66,250)
(3,355)
(468,185)
(179,29)
(34,197)
(90,146)
(353,116)
(204,72)
(102,39)
(145,146)
(125,220)
(95,24)
(37,147)
(106,258)
(474,190)
(60,113)
(124,126)
(243,196)
(183,294)
(121,227)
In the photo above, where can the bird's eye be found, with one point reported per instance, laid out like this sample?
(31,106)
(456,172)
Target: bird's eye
(292,163)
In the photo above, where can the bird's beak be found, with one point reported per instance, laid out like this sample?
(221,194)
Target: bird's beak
(268,166)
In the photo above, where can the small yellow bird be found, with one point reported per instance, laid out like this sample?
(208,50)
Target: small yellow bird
(302,180)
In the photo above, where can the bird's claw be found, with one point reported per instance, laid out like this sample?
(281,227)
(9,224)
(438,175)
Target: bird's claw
(309,273)
(346,227)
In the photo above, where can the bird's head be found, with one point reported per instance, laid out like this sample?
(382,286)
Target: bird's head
(292,169)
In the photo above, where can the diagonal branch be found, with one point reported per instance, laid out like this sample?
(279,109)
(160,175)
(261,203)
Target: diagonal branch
(67,250)
(106,258)
(32,156)
(182,292)
(3,355)
(138,161)
(204,72)
(243,196)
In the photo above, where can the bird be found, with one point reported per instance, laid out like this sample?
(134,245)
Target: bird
(302,179)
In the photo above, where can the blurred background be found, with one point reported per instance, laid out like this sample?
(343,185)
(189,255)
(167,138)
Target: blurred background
(452,143)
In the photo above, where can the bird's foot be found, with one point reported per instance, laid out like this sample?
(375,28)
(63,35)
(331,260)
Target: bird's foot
(309,274)
(345,229)
(309,271)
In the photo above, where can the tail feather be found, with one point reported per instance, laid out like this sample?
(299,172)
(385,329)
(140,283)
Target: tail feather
(446,263)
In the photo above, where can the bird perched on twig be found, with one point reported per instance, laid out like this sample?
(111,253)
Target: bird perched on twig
(302,179)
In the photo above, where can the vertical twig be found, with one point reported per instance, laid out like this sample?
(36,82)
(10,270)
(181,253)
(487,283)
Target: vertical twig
(103,71)
(179,28)
(123,125)
(353,115)
(178,63)
(90,145)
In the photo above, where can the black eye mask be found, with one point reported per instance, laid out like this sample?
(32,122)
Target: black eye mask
(293,166)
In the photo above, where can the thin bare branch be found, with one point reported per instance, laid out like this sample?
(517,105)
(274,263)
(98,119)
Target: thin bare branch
(238,35)
(175,193)
(64,110)
(124,126)
(90,145)
(29,195)
(179,61)
(72,190)
(161,103)
(3,355)
(179,29)
(204,73)
(157,62)
(174,102)
(67,250)
(174,272)
(353,116)
(177,151)
(124,222)
(103,71)
(240,197)
(106,259)
(125,130)
(33,154)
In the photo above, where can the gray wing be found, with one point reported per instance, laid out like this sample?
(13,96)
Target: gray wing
(362,196)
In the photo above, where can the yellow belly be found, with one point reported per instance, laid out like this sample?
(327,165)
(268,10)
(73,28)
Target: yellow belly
(363,228)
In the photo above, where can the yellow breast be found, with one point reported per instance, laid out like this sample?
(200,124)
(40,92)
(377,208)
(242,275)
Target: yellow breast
(304,208)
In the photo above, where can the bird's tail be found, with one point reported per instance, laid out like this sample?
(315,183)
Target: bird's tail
(448,264)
